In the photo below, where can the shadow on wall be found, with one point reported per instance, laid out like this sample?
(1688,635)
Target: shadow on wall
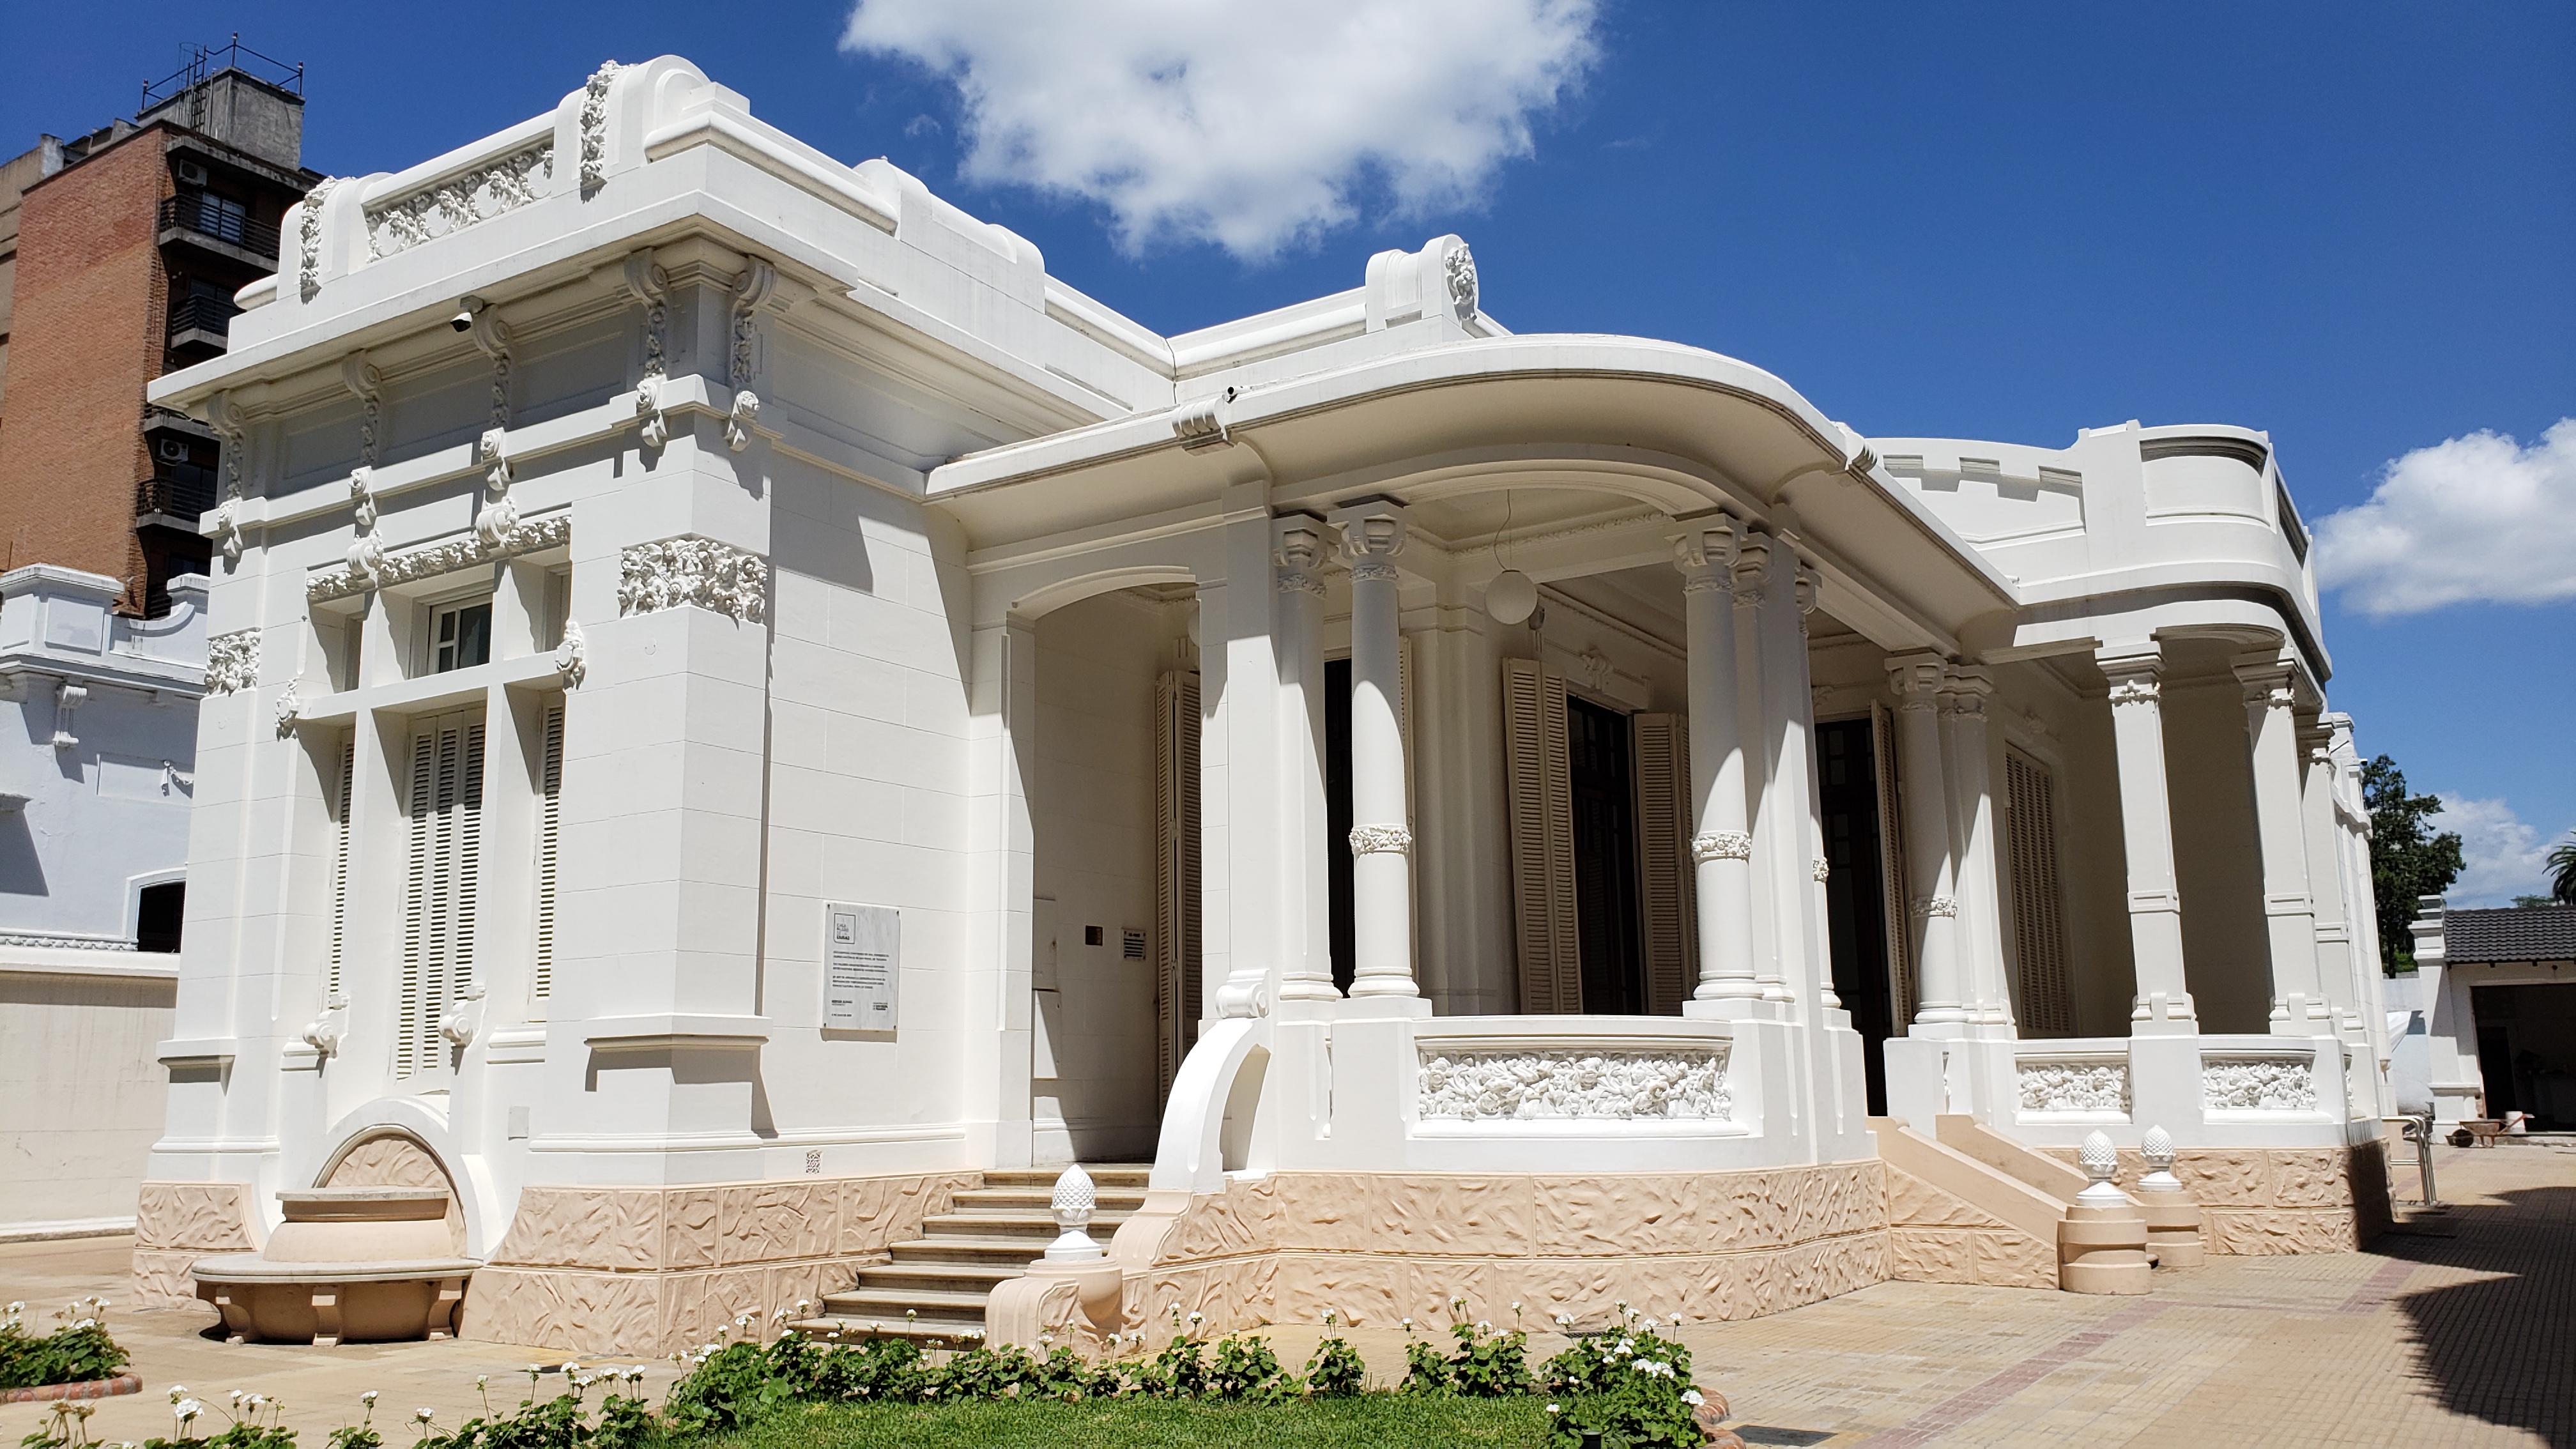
(22,871)
(2499,1349)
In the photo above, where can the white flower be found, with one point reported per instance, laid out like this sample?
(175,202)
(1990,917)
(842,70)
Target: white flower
(1692,1398)
(178,1392)
(1553,1409)
(424,1415)
(571,1367)
(368,1398)
(187,1409)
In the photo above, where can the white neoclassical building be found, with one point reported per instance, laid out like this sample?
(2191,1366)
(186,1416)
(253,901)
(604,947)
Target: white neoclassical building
(749,723)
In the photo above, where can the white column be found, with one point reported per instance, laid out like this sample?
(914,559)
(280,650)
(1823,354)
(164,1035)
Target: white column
(1381,843)
(2163,1005)
(2335,976)
(1753,723)
(1980,929)
(1305,891)
(1807,865)
(1932,901)
(1001,881)
(2298,1000)
(1721,847)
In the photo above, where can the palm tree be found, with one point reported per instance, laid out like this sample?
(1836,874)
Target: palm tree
(2562,870)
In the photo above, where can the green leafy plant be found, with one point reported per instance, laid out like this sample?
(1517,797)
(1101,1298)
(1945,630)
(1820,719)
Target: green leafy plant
(1336,1371)
(1244,1370)
(78,1349)
(1630,1387)
(2407,860)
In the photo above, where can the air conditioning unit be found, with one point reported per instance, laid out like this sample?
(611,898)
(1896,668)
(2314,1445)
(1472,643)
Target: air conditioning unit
(191,174)
(173,450)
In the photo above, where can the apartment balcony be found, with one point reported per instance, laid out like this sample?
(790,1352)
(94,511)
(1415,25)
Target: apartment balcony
(210,223)
(204,323)
(174,496)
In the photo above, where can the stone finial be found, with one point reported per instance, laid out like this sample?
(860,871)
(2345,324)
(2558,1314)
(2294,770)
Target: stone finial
(2100,1161)
(2159,1152)
(1073,1203)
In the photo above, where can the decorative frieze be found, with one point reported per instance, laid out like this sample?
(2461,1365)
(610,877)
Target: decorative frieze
(698,572)
(2257,1084)
(1525,1086)
(444,208)
(534,535)
(1722,845)
(2074,1086)
(1822,869)
(1926,907)
(232,662)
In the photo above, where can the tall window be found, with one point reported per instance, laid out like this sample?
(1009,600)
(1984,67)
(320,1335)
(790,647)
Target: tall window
(461,636)
(2039,910)
(340,788)
(549,838)
(445,812)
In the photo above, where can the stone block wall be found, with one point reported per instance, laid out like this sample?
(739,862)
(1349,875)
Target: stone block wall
(2270,1200)
(1379,1248)
(641,1271)
(175,1224)
(1937,1237)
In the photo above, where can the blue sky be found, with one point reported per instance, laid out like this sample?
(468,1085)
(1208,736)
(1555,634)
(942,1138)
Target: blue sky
(2351,224)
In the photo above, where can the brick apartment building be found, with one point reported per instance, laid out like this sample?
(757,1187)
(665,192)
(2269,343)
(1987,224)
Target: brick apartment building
(120,252)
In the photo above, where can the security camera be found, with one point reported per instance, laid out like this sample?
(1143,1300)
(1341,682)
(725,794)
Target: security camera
(463,321)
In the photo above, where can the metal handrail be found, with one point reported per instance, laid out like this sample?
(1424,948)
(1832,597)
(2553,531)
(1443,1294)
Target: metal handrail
(177,490)
(191,211)
(199,62)
(203,314)
(2419,1130)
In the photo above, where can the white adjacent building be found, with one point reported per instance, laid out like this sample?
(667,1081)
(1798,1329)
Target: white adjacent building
(744,711)
(96,772)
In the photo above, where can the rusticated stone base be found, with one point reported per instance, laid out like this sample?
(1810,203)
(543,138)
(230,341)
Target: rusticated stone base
(1934,1237)
(2272,1200)
(175,1224)
(1379,1248)
(641,1271)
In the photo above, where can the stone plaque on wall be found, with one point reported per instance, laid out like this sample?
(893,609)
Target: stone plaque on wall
(862,963)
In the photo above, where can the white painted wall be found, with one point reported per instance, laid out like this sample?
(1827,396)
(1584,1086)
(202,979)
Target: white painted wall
(81,1095)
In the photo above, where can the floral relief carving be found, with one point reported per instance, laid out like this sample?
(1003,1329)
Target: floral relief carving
(2074,1086)
(533,535)
(594,126)
(2280,1084)
(232,662)
(1460,275)
(1485,1086)
(446,207)
(308,265)
(698,572)
(1380,840)
(1722,845)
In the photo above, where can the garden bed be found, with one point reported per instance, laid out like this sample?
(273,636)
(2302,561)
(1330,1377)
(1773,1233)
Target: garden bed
(83,1389)
(1376,1421)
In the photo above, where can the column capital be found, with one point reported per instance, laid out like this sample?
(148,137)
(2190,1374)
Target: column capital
(1372,533)
(1752,569)
(2136,673)
(2270,682)
(1917,679)
(1810,590)
(1704,553)
(1299,552)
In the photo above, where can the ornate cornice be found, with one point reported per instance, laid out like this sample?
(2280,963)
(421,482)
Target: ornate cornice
(530,536)
(698,573)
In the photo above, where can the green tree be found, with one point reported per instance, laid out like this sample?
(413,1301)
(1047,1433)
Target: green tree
(2406,859)
(2562,870)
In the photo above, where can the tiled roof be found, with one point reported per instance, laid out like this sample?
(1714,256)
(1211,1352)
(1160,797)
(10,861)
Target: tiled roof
(2526,933)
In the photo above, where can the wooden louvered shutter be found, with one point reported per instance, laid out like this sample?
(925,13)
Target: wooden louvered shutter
(1891,865)
(342,790)
(2039,913)
(1177,988)
(1660,751)
(446,846)
(549,842)
(1538,790)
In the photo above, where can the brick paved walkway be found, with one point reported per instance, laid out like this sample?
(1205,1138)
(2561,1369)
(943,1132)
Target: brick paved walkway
(2458,1329)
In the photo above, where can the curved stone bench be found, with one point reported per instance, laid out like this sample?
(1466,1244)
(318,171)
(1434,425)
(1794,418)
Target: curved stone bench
(366,1264)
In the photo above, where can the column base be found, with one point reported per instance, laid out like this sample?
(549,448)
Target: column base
(2173,1228)
(1381,1008)
(2103,1250)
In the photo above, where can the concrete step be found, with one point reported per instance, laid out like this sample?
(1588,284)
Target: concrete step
(936,1286)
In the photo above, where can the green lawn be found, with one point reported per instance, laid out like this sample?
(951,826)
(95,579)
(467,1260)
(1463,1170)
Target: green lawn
(1377,1421)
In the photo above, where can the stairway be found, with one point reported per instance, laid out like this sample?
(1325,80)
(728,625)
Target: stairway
(936,1284)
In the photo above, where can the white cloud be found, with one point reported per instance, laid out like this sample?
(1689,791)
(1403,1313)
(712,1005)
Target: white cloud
(2503,856)
(2474,519)
(1251,125)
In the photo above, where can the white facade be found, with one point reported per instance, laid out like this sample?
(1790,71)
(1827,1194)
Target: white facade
(95,784)
(834,556)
